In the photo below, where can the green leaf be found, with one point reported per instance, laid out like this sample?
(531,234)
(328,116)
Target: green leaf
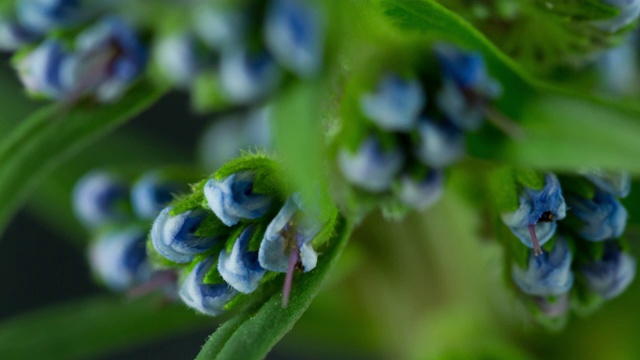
(90,327)
(252,335)
(52,135)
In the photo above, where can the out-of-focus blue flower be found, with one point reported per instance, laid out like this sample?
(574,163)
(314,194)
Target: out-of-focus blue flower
(371,167)
(604,216)
(617,68)
(108,58)
(219,26)
(555,307)
(41,71)
(395,104)
(42,16)
(441,144)
(240,267)
(119,258)
(294,32)
(233,199)
(100,198)
(629,12)
(421,194)
(174,237)
(540,208)
(206,298)
(616,183)
(611,275)
(229,135)
(547,274)
(292,229)
(247,76)
(151,193)
(180,58)
(13,35)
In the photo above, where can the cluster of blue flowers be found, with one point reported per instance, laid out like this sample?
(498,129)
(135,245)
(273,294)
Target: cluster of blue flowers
(119,216)
(235,232)
(586,257)
(409,141)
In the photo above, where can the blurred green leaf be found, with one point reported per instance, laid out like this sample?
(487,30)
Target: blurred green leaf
(253,334)
(48,138)
(93,326)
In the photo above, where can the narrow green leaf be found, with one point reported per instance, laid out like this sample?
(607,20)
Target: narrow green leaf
(52,135)
(253,334)
(90,327)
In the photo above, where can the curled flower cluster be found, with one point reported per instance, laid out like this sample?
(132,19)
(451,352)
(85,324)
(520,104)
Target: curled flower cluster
(119,216)
(409,143)
(233,231)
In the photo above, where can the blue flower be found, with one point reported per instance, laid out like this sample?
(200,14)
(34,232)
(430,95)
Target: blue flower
(151,193)
(13,36)
(547,274)
(180,58)
(41,71)
(101,198)
(108,57)
(441,144)
(616,183)
(294,32)
(247,76)
(240,267)
(421,194)
(617,68)
(534,221)
(553,307)
(629,12)
(611,275)
(174,237)
(371,167)
(604,216)
(233,199)
(119,258)
(396,103)
(43,16)
(220,27)
(293,229)
(208,299)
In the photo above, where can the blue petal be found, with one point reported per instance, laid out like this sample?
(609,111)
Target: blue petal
(396,103)
(294,33)
(220,27)
(465,113)
(441,144)
(41,70)
(43,16)
(246,77)
(241,268)
(629,12)
(611,275)
(617,68)
(179,58)
(119,258)
(616,183)
(174,236)
(100,198)
(604,216)
(547,274)
(466,69)
(151,193)
(205,298)
(422,194)
(13,36)
(371,167)
(233,199)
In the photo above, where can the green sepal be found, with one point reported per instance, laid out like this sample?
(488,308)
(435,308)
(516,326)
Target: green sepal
(579,186)
(504,192)
(157,260)
(530,178)
(207,94)
(267,178)
(584,301)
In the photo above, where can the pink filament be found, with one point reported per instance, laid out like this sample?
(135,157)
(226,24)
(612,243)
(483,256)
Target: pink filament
(286,290)
(537,250)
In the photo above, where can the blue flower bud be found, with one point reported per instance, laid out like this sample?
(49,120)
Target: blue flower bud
(441,144)
(174,237)
(604,216)
(534,220)
(547,274)
(43,16)
(208,299)
(179,58)
(240,267)
(424,193)
(371,167)
(13,36)
(41,71)
(616,183)
(219,27)
(100,198)
(151,193)
(294,32)
(233,199)
(293,229)
(553,308)
(246,77)
(119,258)
(612,274)
(629,12)
(396,103)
